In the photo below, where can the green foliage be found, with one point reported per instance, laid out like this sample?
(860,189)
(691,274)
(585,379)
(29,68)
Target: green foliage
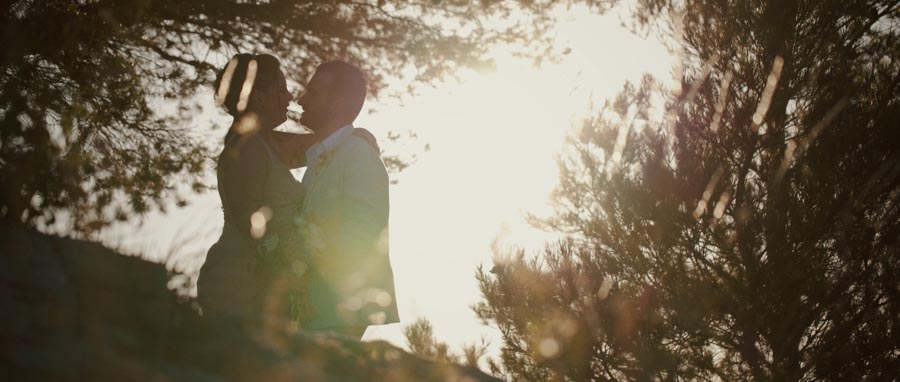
(750,233)
(81,83)
(422,342)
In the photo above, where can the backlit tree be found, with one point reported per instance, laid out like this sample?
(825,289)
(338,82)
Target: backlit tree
(747,230)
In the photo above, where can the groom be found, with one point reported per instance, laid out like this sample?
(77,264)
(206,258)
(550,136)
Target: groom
(351,283)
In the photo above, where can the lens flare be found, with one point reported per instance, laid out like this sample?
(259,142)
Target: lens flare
(258,222)
(707,194)
(766,99)
(549,347)
(247,86)
(247,123)
(225,83)
(723,100)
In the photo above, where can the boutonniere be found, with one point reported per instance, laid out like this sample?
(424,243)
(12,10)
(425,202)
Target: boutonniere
(322,160)
(309,230)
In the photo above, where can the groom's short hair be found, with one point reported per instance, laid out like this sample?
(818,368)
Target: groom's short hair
(347,81)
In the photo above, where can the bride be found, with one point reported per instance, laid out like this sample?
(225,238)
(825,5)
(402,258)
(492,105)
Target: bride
(250,276)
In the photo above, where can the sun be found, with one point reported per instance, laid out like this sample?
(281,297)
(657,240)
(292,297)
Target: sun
(494,138)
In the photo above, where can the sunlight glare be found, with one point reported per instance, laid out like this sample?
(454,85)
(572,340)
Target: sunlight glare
(494,137)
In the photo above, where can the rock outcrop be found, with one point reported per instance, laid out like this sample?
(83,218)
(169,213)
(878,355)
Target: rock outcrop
(75,310)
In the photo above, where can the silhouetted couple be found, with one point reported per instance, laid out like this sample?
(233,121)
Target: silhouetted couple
(311,254)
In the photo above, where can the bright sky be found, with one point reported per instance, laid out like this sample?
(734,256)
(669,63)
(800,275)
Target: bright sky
(494,137)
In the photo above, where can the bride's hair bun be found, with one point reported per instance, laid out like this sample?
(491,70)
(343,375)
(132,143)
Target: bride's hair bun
(243,74)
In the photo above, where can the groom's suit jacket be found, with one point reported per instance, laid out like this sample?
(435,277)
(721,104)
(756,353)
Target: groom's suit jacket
(346,209)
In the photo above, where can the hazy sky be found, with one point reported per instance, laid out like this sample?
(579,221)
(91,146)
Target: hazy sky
(493,140)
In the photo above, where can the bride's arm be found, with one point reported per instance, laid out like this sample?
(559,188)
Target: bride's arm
(292,147)
(247,167)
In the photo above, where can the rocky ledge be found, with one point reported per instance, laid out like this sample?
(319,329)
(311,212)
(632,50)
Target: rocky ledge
(75,310)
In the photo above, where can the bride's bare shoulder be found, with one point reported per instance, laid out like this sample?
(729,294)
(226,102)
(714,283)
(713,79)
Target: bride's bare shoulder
(244,148)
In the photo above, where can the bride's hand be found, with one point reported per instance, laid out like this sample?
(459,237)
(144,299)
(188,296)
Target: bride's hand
(368,136)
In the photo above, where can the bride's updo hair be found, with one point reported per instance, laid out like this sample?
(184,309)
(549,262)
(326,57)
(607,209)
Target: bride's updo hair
(233,85)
